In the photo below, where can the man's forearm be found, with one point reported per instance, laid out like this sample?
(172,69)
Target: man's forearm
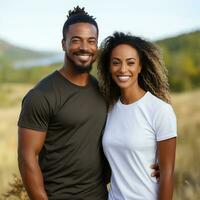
(32,178)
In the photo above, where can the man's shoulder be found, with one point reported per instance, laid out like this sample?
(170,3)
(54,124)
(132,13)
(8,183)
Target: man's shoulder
(42,89)
(47,82)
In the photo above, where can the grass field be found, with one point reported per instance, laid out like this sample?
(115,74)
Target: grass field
(10,100)
(187,108)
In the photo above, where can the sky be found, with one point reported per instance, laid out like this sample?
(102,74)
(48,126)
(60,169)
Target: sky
(37,24)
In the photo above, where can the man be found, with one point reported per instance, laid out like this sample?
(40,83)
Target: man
(61,123)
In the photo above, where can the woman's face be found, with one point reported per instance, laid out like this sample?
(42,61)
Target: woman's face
(125,66)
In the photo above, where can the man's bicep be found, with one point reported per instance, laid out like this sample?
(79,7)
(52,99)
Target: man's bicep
(30,141)
(35,112)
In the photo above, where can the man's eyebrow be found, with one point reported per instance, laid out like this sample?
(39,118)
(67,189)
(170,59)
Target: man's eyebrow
(93,38)
(76,37)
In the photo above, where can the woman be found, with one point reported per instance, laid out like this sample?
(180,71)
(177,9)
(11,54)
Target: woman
(141,124)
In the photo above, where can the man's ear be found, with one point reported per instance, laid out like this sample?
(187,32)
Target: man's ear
(63,44)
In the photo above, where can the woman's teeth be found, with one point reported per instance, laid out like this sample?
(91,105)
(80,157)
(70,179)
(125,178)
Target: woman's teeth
(123,78)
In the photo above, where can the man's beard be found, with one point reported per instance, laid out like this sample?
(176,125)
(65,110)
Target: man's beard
(79,68)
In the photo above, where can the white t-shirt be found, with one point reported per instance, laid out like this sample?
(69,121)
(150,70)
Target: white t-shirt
(130,142)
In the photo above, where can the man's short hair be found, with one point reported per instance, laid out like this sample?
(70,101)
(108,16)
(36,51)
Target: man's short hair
(78,15)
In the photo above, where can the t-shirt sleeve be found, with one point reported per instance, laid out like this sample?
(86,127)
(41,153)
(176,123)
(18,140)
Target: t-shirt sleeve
(165,123)
(35,112)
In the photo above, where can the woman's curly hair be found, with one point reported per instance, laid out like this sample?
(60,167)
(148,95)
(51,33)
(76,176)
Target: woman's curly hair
(153,75)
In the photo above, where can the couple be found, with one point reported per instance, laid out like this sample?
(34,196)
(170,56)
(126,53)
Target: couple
(62,124)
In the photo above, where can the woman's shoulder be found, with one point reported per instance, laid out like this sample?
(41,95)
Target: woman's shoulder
(157,101)
(156,105)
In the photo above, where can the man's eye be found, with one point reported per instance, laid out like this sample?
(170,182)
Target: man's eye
(93,42)
(75,41)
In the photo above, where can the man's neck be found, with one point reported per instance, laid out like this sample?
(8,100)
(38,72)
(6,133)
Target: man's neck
(80,79)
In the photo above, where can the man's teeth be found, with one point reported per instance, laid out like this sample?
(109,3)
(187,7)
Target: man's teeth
(123,78)
(83,57)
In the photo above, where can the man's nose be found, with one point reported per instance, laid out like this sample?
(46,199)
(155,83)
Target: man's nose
(84,45)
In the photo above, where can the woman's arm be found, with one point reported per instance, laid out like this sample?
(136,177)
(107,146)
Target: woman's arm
(166,158)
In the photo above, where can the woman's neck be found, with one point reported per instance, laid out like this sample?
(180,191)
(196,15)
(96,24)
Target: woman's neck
(129,96)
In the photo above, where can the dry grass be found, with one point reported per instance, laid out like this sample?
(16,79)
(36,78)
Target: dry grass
(11,94)
(9,111)
(16,190)
(187,108)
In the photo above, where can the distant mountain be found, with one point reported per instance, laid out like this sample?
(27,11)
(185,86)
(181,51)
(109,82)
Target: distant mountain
(187,44)
(187,41)
(181,55)
(182,58)
(15,55)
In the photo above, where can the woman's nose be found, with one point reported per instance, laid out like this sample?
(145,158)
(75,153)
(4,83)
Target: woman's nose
(123,68)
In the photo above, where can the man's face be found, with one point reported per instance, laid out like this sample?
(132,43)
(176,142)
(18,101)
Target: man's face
(80,46)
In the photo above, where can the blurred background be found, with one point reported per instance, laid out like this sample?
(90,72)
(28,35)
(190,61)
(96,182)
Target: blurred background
(30,48)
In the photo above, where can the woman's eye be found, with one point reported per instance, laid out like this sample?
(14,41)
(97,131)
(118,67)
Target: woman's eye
(115,63)
(131,63)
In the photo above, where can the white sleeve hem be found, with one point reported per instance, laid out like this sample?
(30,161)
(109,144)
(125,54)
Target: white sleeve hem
(166,137)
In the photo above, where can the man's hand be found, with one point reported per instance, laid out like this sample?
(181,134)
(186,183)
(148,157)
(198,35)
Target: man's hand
(156,171)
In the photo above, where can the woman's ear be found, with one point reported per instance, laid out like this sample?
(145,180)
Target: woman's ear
(140,69)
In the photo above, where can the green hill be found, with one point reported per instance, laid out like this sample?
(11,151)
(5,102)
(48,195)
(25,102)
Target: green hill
(182,58)
(11,54)
(181,55)
(18,64)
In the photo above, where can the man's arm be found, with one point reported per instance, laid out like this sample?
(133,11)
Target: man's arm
(30,143)
(156,171)
(166,157)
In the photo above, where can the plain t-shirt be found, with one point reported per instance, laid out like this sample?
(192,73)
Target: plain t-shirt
(73,118)
(130,142)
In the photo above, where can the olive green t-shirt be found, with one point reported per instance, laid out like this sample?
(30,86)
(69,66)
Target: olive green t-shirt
(73,117)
